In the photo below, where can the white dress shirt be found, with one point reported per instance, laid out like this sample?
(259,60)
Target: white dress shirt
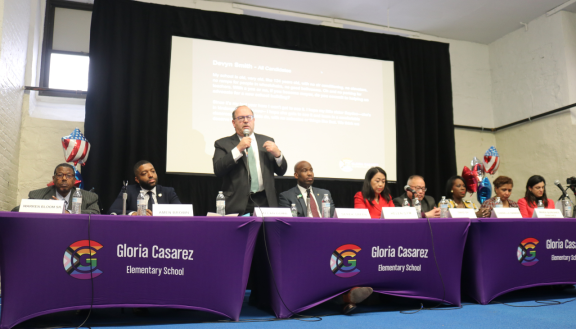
(254,145)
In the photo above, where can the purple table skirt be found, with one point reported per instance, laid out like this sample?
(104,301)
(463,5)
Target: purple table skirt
(199,263)
(503,255)
(314,260)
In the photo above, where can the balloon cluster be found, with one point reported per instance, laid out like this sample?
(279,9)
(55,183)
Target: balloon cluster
(76,150)
(475,176)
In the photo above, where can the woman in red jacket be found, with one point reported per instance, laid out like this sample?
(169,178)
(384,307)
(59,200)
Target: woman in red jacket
(375,193)
(535,191)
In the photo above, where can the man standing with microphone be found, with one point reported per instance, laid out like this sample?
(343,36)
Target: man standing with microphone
(247,163)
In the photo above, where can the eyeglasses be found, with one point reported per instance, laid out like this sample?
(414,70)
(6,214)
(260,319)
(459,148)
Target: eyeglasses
(66,176)
(419,188)
(247,117)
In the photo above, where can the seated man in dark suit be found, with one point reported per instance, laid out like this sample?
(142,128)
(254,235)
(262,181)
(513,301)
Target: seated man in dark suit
(427,202)
(148,182)
(298,195)
(63,189)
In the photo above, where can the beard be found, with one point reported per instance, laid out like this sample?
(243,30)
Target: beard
(147,186)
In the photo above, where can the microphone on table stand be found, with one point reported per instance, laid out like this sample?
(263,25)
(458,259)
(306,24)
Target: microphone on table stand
(124,196)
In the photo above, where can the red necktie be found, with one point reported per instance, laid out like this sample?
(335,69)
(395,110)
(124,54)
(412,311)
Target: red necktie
(313,207)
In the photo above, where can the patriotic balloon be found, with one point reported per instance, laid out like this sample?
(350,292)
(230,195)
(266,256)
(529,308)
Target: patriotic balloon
(491,160)
(76,147)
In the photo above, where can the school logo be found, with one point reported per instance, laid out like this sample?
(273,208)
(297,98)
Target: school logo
(527,252)
(79,260)
(342,261)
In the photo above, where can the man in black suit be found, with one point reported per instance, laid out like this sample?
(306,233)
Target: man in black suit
(148,182)
(427,202)
(247,163)
(298,195)
(64,179)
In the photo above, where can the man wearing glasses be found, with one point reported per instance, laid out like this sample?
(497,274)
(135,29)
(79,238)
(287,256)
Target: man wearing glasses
(63,189)
(247,162)
(427,202)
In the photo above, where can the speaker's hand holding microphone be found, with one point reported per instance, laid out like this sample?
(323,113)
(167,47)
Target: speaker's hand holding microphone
(244,142)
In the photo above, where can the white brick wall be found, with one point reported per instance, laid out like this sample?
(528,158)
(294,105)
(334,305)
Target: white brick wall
(14,17)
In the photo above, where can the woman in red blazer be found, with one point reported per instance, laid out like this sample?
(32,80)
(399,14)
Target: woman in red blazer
(535,191)
(375,193)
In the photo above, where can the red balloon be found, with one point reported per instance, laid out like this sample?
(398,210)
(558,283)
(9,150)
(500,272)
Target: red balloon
(470,179)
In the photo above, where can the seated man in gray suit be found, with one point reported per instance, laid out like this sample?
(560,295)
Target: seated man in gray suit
(298,195)
(64,179)
(427,202)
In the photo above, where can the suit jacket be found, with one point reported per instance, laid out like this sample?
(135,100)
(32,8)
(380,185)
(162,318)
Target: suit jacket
(236,183)
(427,204)
(164,195)
(289,197)
(89,199)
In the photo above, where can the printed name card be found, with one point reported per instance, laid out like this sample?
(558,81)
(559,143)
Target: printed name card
(506,213)
(272,212)
(462,213)
(547,213)
(176,210)
(399,213)
(351,213)
(42,206)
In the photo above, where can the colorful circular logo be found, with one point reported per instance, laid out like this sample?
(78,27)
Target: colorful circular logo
(526,252)
(79,261)
(342,261)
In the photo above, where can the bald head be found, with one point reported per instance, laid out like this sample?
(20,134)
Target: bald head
(304,173)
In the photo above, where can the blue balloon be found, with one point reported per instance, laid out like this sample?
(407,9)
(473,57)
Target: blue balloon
(484,190)
(79,178)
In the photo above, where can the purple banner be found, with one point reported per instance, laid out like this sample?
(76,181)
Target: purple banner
(504,255)
(314,260)
(199,263)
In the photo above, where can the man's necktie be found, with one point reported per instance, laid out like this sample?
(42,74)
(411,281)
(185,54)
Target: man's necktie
(254,184)
(150,200)
(312,203)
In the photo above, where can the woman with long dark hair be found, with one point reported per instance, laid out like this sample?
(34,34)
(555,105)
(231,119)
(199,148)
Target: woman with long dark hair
(375,192)
(535,193)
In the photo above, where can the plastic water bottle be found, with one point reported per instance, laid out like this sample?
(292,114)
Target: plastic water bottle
(326,206)
(141,204)
(443,208)
(540,204)
(497,202)
(221,204)
(77,202)
(567,208)
(405,203)
(418,207)
(293,210)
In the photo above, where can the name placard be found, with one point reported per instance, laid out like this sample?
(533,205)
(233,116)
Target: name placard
(42,206)
(462,213)
(175,210)
(399,213)
(272,212)
(506,213)
(351,213)
(547,213)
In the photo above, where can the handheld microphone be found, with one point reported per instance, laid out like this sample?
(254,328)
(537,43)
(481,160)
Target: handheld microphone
(246,134)
(557,183)
(407,188)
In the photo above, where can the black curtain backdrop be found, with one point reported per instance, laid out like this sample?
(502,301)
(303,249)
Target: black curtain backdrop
(127,102)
